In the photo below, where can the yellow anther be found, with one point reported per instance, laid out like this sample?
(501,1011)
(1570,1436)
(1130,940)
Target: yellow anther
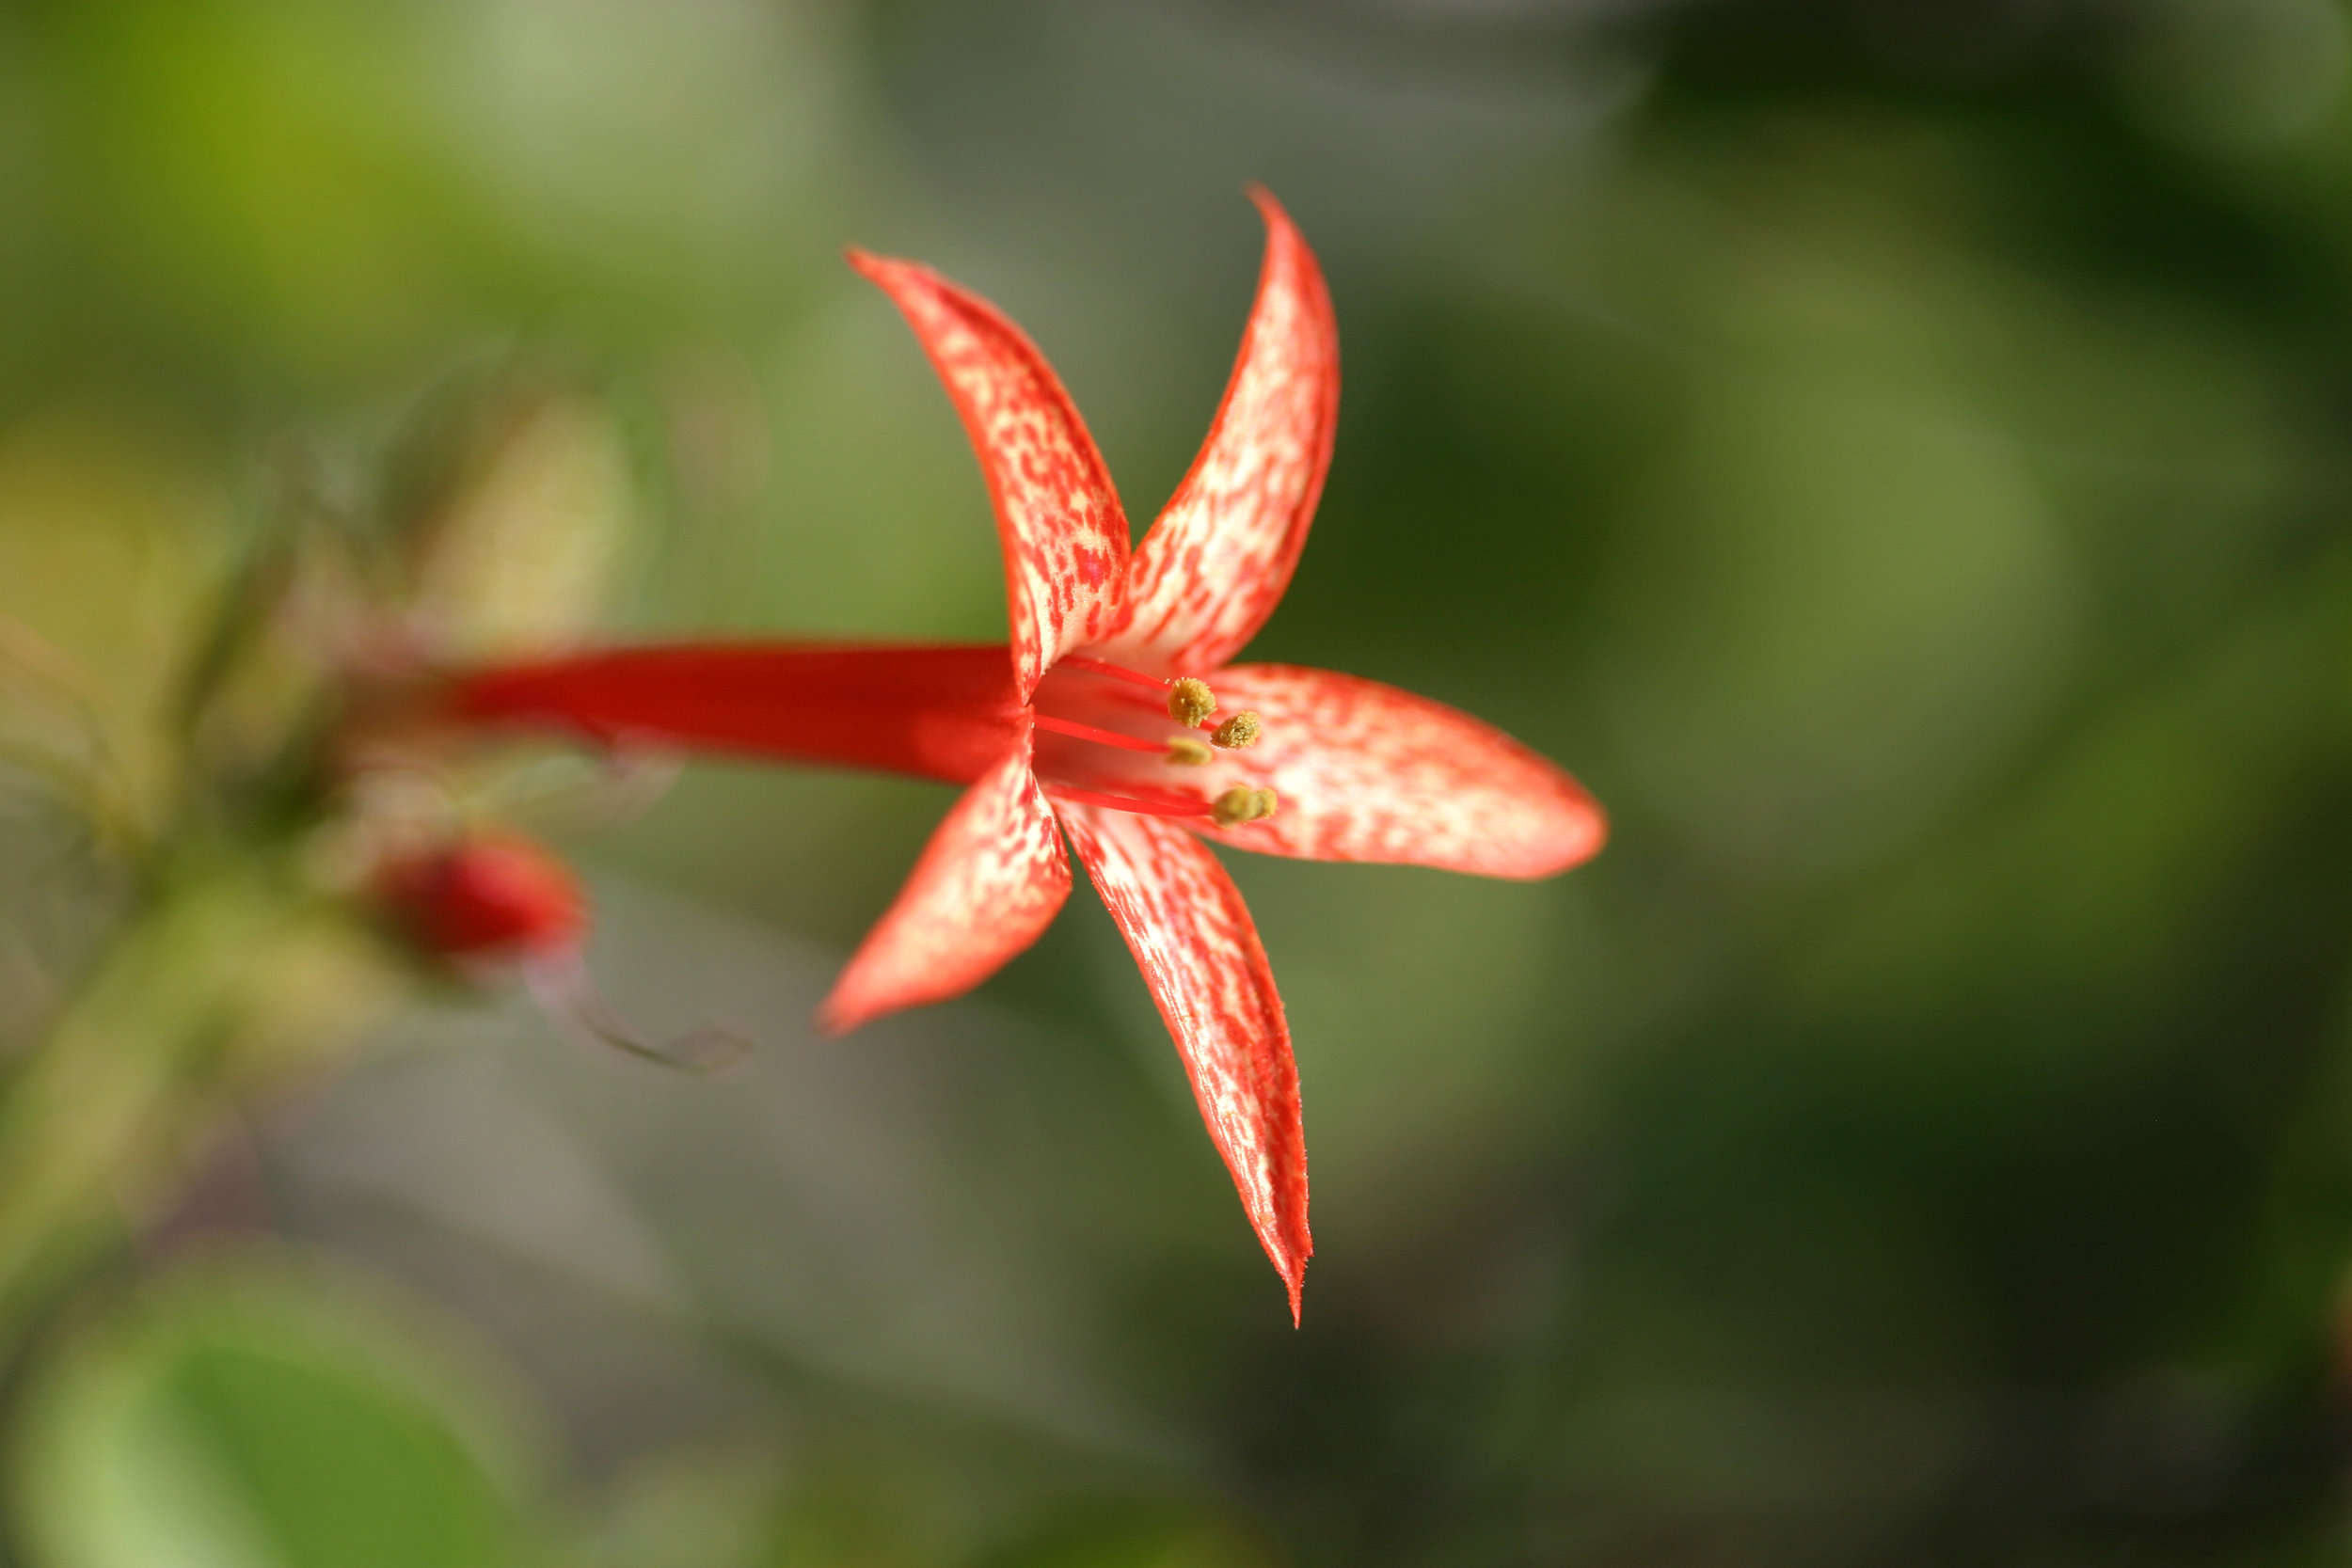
(1190,701)
(1241,805)
(1189,750)
(1241,730)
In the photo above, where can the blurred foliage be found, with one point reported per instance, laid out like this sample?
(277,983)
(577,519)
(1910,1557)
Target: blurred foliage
(1892,450)
(242,1415)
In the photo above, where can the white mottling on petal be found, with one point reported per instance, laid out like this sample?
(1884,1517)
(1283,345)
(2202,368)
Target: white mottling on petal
(1367,772)
(1193,938)
(1064,534)
(990,881)
(1215,563)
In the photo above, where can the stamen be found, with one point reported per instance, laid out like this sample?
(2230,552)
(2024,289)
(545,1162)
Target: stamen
(1242,729)
(1189,701)
(1188,751)
(1088,732)
(1172,806)
(1241,805)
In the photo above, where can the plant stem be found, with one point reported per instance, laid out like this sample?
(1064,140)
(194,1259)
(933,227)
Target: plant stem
(208,988)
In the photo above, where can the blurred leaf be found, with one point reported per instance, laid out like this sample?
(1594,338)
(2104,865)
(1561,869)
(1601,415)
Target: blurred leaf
(690,1511)
(260,1417)
(109,560)
(273,173)
(518,525)
(2235,74)
(1141,1538)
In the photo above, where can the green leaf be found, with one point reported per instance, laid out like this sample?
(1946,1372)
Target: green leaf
(261,1416)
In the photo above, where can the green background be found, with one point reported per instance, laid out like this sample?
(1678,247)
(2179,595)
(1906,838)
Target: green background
(1894,452)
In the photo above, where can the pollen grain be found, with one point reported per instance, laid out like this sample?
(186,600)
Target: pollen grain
(1190,701)
(1241,805)
(1242,729)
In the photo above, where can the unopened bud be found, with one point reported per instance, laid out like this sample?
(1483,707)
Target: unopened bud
(1190,701)
(1242,729)
(1191,752)
(1241,805)
(483,898)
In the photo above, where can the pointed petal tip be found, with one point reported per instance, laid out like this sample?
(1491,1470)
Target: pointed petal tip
(834,1019)
(1288,1244)
(1582,832)
(1275,216)
(890,274)
(1294,1272)
(1596,832)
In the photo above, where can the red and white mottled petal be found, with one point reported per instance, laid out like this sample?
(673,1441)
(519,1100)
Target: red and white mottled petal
(989,884)
(1190,932)
(1064,536)
(1215,563)
(1367,772)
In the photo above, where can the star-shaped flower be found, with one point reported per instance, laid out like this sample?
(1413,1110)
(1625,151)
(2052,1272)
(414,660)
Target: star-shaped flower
(1117,722)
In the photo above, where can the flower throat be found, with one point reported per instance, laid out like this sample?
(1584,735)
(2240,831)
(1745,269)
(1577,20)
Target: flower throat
(1189,702)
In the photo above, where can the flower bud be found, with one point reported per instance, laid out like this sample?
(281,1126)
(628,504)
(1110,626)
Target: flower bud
(503,897)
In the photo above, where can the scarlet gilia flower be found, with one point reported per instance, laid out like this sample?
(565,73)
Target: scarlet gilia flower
(1116,721)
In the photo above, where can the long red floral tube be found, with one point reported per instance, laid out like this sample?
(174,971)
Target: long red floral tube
(1114,720)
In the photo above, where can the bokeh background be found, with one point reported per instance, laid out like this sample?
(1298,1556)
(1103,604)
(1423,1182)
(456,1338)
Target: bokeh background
(1893,451)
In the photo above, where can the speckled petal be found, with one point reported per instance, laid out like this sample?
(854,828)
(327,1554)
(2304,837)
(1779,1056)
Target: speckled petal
(1193,937)
(1367,772)
(1215,563)
(1064,536)
(990,880)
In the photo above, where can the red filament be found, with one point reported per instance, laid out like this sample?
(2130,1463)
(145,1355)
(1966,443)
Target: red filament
(1117,671)
(1170,806)
(1107,737)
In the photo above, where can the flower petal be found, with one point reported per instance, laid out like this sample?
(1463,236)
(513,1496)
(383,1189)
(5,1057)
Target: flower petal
(1367,772)
(939,712)
(1065,538)
(990,881)
(1215,563)
(1192,935)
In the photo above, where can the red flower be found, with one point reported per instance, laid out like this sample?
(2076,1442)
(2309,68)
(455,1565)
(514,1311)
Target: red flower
(1117,674)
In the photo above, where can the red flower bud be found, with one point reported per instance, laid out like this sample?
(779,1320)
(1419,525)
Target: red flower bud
(486,897)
